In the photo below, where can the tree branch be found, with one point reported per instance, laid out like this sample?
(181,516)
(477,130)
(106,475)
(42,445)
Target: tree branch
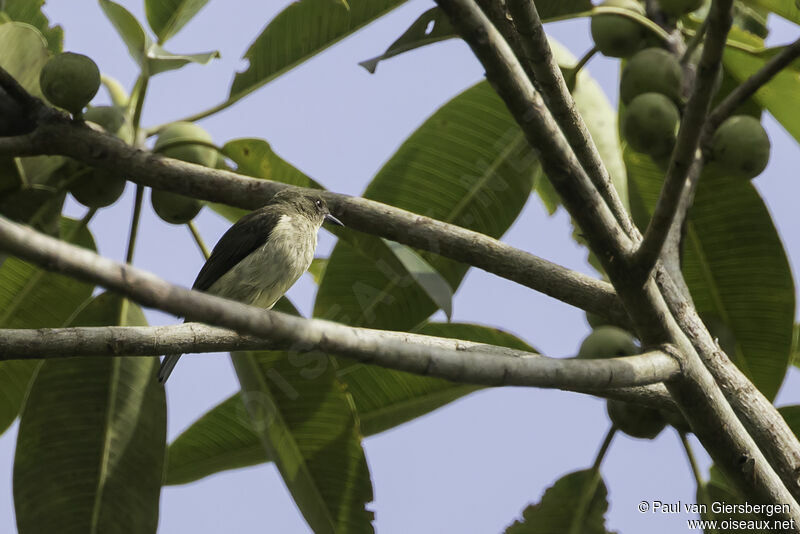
(696,393)
(749,87)
(454,360)
(60,137)
(685,154)
(539,56)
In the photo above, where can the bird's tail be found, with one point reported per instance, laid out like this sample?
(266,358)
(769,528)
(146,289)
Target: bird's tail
(167,365)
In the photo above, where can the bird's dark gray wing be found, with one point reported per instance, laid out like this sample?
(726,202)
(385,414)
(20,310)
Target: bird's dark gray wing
(245,236)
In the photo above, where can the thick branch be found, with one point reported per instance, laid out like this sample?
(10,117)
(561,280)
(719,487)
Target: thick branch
(558,98)
(473,248)
(757,413)
(749,87)
(685,153)
(455,360)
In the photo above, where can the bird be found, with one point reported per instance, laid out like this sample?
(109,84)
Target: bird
(263,254)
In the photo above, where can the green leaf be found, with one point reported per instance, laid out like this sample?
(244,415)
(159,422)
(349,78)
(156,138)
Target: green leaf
(300,31)
(317,269)
(796,345)
(719,490)
(469,165)
(306,423)
(224,439)
(734,265)
(788,9)
(23,53)
(425,275)
(150,56)
(30,11)
(255,157)
(791,414)
(31,297)
(431,27)
(385,399)
(90,450)
(555,512)
(167,17)
(781,95)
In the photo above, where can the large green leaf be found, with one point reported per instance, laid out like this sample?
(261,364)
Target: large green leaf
(167,17)
(554,514)
(788,9)
(300,31)
(433,26)
(150,57)
(306,422)
(23,53)
(30,11)
(385,399)
(90,450)
(796,345)
(469,165)
(224,438)
(734,265)
(31,297)
(781,96)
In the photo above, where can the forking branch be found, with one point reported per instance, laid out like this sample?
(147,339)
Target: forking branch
(716,424)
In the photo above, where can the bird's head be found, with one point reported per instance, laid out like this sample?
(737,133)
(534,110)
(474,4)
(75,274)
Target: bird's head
(307,203)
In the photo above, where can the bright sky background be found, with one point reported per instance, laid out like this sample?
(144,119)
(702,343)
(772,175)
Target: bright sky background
(472,466)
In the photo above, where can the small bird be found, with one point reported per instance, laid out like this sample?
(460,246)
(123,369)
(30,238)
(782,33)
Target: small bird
(263,254)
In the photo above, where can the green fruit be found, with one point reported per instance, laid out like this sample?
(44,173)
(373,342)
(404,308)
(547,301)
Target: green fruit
(618,35)
(70,81)
(676,8)
(607,342)
(650,124)
(174,208)
(740,147)
(113,120)
(652,70)
(94,188)
(635,420)
(175,142)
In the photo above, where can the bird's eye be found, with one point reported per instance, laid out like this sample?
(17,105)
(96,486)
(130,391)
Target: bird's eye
(319,203)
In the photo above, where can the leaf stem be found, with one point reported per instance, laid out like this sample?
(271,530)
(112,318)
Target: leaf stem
(137,210)
(590,487)
(702,492)
(198,239)
(584,60)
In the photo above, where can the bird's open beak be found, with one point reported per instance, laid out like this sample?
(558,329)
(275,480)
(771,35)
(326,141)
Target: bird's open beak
(333,220)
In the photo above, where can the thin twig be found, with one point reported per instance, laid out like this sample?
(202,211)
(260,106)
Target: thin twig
(590,488)
(137,211)
(198,239)
(749,87)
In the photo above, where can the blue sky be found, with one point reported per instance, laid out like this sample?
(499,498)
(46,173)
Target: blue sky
(471,466)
